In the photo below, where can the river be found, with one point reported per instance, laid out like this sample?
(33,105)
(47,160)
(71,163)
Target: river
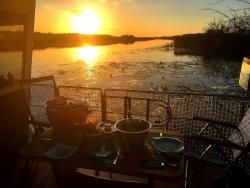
(147,65)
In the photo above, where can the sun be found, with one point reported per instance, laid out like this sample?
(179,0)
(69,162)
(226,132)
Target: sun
(87,22)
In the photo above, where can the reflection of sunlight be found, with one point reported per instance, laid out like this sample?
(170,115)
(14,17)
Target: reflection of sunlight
(88,54)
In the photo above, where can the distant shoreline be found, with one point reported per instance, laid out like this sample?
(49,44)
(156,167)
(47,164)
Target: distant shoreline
(13,41)
(229,46)
(232,46)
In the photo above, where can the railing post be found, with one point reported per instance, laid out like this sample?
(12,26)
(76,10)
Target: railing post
(129,105)
(125,111)
(57,91)
(148,109)
(104,105)
(56,88)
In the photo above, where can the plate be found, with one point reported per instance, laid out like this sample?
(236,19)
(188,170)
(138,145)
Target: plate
(168,145)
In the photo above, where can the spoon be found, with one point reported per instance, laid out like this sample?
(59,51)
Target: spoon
(117,156)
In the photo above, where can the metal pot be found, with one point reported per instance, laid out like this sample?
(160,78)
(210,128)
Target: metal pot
(132,134)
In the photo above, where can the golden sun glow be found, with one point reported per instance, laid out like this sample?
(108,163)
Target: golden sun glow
(87,22)
(88,54)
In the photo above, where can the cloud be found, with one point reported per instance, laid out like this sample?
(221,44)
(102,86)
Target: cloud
(77,11)
(115,1)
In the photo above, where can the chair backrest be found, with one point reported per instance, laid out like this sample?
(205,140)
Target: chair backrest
(78,179)
(242,135)
(37,92)
(14,117)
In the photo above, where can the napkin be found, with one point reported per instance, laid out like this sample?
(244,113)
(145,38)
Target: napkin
(103,152)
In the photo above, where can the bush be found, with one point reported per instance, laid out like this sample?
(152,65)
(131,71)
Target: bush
(235,24)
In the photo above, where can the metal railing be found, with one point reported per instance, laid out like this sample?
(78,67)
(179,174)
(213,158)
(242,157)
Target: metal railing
(104,104)
(168,110)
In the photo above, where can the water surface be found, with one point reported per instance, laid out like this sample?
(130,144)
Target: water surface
(147,65)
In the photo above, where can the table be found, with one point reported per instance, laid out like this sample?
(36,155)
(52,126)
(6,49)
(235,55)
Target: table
(35,150)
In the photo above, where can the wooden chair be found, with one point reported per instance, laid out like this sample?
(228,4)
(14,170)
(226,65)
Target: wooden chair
(78,179)
(37,92)
(68,176)
(14,131)
(225,152)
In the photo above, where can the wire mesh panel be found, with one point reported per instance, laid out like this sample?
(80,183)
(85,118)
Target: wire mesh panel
(150,106)
(136,93)
(114,104)
(37,92)
(184,106)
(114,108)
(221,108)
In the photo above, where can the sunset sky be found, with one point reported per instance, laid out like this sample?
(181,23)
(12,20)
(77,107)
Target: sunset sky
(137,17)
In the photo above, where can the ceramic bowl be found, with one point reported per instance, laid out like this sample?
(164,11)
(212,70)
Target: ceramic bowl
(169,146)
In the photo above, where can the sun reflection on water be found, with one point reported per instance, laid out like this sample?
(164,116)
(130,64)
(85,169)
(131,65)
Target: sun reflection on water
(88,54)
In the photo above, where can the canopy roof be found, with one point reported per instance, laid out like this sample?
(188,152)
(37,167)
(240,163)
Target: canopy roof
(21,12)
(12,18)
